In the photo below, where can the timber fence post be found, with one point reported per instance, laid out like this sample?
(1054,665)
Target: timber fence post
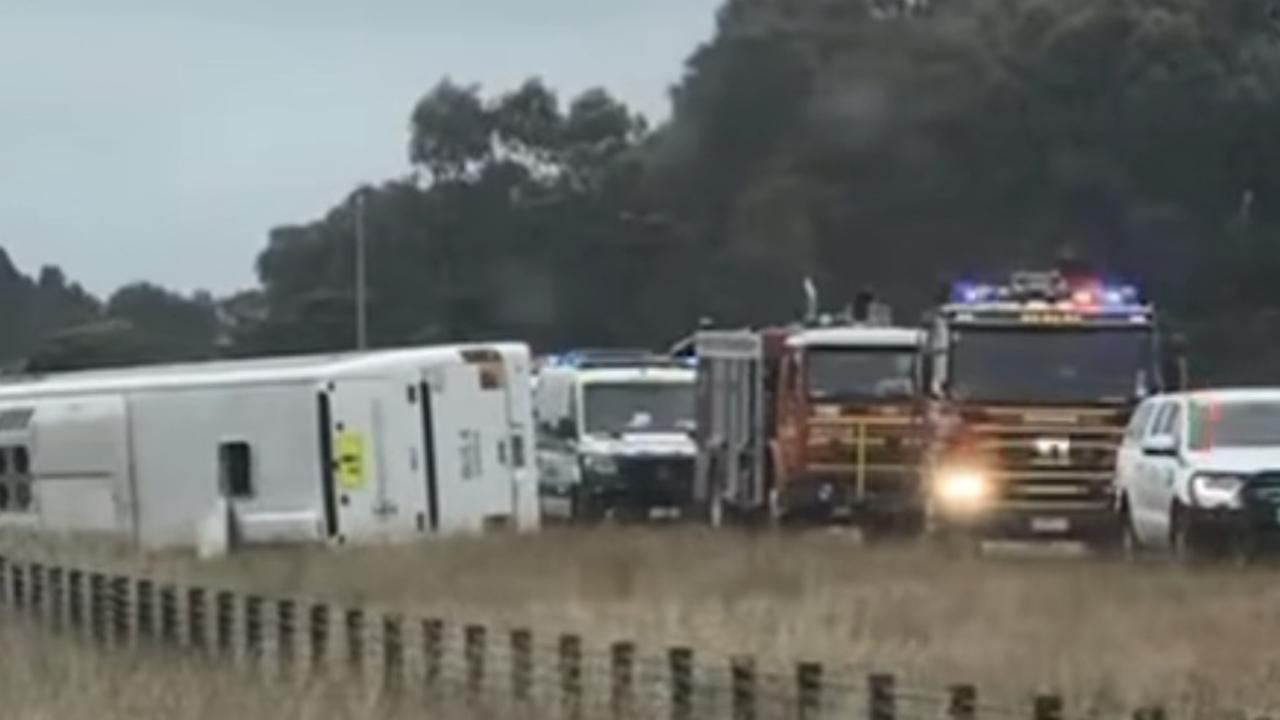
(57,597)
(197,618)
(809,690)
(319,631)
(433,653)
(1047,707)
(169,614)
(743,690)
(522,665)
(355,640)
(19,585)
(1149,713)
(37,590)
(571,676)
(622,679)
(963,702)
(145,606)
(120,608)
(882,696)
(286,635)
(97,607)
(475,639)
(253,630)
(75,599)
(224,620)
(680,666)
(392,653)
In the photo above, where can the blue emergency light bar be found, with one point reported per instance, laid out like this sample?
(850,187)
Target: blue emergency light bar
(1084,295)
(620,358)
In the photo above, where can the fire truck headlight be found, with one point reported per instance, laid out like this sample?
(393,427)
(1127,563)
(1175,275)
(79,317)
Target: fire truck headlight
(600,464)
(962,487)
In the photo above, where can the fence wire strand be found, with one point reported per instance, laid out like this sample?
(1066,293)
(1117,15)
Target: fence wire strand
(401,657)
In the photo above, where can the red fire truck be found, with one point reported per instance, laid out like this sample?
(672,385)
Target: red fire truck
(813,423)
(1031,384)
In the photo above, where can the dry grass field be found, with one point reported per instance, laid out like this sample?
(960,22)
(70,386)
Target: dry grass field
(43,677)
(1105,635)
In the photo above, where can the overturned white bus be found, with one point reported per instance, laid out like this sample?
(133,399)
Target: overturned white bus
(384,445)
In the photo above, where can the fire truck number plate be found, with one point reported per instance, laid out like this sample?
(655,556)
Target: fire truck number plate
(1050,524)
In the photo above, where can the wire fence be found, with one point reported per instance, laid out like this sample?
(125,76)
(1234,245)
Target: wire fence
(498,672)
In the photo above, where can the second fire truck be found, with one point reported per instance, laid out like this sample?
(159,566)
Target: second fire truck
(1031,383)
(813,423)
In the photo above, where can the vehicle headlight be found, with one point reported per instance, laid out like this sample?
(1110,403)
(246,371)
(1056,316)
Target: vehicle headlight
(962,488)
(600,464)
(1217,491)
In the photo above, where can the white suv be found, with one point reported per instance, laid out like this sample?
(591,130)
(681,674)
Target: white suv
(1200,471)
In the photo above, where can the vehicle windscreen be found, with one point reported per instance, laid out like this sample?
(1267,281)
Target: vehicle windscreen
(613,408)
(861,373)
(1235,424)
(1109,365)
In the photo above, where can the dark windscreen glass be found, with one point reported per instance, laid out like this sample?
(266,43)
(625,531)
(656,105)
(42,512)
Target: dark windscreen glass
(1240,424)
(860,373)
(638,408)
(1067,365)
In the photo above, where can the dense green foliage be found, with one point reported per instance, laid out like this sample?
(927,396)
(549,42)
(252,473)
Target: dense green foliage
(886,144)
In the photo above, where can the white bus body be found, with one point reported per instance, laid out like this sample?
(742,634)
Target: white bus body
(355,448)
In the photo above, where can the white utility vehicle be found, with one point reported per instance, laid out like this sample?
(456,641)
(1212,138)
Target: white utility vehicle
(614,435)
(1199,472)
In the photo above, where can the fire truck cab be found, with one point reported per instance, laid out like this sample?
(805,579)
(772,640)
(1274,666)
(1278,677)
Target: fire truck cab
(1031,384)
(811,425)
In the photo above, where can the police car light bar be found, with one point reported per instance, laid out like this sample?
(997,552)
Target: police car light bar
(621,358)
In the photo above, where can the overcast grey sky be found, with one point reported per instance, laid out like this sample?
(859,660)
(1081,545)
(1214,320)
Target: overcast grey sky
(161,139)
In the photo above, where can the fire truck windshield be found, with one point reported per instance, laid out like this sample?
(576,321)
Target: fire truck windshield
(1096,365)
(855,373)
(638,407)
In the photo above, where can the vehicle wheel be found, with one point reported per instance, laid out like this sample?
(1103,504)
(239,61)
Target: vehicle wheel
(874,531)
(1130,545)
(1186,545)
(1241,548)
(897,527)
(1109,542)
(1105,546)
(586,511)
(953,542)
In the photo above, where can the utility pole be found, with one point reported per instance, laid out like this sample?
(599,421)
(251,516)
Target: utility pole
(362,318)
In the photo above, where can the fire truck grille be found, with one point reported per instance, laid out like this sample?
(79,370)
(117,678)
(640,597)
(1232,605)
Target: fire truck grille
(1054,465)
(881,449)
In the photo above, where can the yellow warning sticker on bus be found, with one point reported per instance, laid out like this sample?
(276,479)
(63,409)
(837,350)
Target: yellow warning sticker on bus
(350,459)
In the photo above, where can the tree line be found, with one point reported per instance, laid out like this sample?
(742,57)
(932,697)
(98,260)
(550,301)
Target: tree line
(890,144)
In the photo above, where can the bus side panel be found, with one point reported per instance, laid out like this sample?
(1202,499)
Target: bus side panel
(401,505)
(80,462)
(177,436)
(359,423)
(471,435)
(523,441)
